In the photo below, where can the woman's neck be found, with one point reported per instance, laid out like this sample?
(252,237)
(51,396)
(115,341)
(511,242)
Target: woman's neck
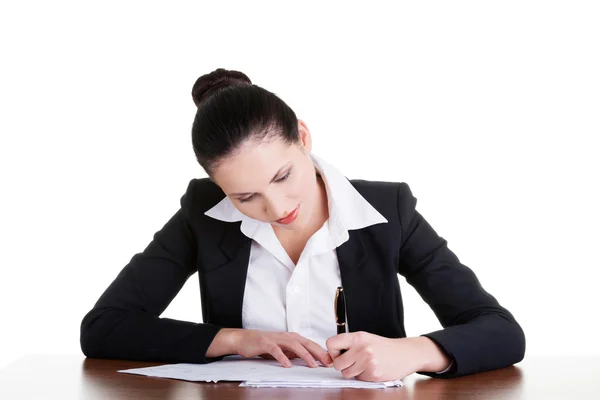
(322,202)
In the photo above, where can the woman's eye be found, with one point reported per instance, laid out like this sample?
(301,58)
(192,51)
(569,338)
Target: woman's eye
(287,175)
(244,200)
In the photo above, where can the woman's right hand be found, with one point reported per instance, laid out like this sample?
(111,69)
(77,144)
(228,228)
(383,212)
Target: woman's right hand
(251,343)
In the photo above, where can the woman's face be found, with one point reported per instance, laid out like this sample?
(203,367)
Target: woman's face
(270,180)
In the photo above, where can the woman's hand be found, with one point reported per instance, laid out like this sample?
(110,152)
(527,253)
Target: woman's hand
(375,358)
(279,345)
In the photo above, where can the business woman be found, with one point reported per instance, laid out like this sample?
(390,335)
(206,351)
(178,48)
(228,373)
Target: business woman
(272,233)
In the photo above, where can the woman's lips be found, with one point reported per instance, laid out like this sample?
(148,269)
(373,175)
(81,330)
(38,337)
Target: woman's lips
(291,217)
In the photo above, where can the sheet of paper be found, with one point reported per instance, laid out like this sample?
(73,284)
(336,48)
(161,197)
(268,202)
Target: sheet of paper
(258,372)
(324,384)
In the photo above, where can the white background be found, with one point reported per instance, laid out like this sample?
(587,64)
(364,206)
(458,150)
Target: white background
(488,110)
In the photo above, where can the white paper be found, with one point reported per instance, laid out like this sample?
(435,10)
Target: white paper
(258,372)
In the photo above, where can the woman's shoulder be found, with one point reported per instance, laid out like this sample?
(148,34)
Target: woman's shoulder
(384,190)
(201,195)
(390,198)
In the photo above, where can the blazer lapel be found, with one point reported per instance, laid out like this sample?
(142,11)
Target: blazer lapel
(361,288)
(225,275)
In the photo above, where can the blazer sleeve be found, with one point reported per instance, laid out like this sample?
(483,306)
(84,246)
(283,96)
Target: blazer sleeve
(479,335)
(125,322)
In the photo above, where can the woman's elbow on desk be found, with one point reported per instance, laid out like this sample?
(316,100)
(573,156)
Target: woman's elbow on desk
(89,334)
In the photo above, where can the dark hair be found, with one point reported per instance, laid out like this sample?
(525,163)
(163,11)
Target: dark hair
(232,110)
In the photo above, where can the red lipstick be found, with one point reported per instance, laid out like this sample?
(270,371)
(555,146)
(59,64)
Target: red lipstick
(291,217)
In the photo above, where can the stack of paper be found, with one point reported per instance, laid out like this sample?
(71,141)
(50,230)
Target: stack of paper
(258,372)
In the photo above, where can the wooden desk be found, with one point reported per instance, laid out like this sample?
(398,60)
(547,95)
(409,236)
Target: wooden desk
(75,377)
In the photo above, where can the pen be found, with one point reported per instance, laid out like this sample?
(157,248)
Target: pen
(340,312)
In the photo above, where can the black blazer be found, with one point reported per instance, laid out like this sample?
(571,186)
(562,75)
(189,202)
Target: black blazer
(478,334)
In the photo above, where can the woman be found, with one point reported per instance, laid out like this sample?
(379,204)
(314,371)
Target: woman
(272,233)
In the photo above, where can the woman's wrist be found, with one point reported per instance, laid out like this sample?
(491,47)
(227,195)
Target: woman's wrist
(433,358)
(225,342)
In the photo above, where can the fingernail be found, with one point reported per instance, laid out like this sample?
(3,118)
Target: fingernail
(288,364)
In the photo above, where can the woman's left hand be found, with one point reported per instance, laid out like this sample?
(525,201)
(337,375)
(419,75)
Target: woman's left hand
(374,358)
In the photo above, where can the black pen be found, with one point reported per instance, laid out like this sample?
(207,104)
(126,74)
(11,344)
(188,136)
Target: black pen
(340,312)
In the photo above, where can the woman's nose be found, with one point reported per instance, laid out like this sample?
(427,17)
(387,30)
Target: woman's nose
(275,208)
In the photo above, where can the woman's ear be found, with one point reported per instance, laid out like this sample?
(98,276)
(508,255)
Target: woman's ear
(305,138)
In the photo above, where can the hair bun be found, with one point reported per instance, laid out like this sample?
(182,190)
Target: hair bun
(209,84)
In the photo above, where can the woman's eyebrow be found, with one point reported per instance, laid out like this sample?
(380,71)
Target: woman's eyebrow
(272,180)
